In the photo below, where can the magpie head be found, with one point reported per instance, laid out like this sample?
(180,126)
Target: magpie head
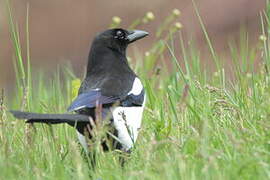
(118,39)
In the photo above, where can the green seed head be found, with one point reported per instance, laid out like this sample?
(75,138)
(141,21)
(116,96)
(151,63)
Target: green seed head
(176,12)
(178,25)
(262,38)
(116,20)
(150,16)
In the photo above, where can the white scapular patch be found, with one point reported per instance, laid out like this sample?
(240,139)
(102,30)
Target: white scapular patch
(127,122)
(82,140)
(137,87)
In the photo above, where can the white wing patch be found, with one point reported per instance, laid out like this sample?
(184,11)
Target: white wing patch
(127,122)
(137,87)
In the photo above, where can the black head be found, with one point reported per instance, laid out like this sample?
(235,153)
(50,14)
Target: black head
(118,39)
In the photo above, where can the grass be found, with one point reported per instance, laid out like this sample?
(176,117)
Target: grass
(198,124)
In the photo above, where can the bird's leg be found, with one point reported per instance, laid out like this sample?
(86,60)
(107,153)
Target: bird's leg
(124,156)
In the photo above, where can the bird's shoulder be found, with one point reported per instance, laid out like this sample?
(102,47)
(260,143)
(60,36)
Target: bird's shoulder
(91,99)
(130,94)
(136,95)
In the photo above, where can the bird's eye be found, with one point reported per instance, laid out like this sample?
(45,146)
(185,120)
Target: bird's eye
(120,35)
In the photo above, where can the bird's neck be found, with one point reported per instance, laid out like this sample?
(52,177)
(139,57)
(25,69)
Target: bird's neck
(104,58)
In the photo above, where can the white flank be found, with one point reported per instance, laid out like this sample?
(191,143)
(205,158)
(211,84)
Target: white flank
(82,140)
(137,87)
(127,122)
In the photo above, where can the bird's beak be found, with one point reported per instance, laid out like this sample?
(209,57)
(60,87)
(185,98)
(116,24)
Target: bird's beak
(134,35)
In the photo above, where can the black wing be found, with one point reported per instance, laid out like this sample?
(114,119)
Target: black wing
(90,99)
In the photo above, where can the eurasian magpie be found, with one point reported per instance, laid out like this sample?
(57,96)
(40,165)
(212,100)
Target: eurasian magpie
(110,84)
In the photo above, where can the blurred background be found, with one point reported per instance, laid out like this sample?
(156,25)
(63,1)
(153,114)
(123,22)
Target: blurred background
(62,30)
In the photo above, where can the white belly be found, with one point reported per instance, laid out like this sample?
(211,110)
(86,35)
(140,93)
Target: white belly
(127,122)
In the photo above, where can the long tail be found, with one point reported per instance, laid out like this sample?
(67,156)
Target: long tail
(71,119)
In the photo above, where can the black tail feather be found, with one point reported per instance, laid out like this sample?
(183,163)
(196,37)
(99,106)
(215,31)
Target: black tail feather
(50,118)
